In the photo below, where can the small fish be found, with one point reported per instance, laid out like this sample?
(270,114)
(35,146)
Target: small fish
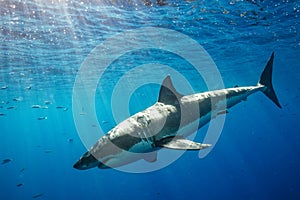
(22,170)
(60,107)
(44,107)
(37,195)
(47,102)
(35,106)
(2,114)
(18,99)
(4,87)
(28,88)
(20,184)
(48,151)
(11,107)
(42,118)
(65,109)
(5,161)
(4,102)
(70,140)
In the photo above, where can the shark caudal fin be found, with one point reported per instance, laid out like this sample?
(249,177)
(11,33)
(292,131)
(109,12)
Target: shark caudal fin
(266,80)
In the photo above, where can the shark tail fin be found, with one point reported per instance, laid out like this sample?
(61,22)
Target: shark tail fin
(266,80)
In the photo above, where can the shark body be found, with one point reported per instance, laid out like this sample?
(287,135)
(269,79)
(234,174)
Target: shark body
(159,126)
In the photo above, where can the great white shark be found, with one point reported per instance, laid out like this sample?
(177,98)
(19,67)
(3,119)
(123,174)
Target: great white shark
(159,126)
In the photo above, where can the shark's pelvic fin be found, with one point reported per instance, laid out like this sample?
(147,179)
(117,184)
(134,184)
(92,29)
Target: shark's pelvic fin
(266,80)
(179,143)
(168,93)
(222,112)
(151,157)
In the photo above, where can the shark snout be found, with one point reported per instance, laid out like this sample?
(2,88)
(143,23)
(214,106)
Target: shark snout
(81,165)
(87,161)
(77,165)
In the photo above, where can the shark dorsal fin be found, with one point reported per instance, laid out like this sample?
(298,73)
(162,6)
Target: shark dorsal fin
(168,93)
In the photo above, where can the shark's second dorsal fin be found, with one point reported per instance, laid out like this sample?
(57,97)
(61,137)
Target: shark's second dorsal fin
(168,93)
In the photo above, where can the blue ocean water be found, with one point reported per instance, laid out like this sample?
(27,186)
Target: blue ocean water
(44,43)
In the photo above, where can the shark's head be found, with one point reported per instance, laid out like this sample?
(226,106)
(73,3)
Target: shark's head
(87,161)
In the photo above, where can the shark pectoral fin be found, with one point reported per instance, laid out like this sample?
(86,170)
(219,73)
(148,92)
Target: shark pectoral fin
(179,143)
(151,157)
